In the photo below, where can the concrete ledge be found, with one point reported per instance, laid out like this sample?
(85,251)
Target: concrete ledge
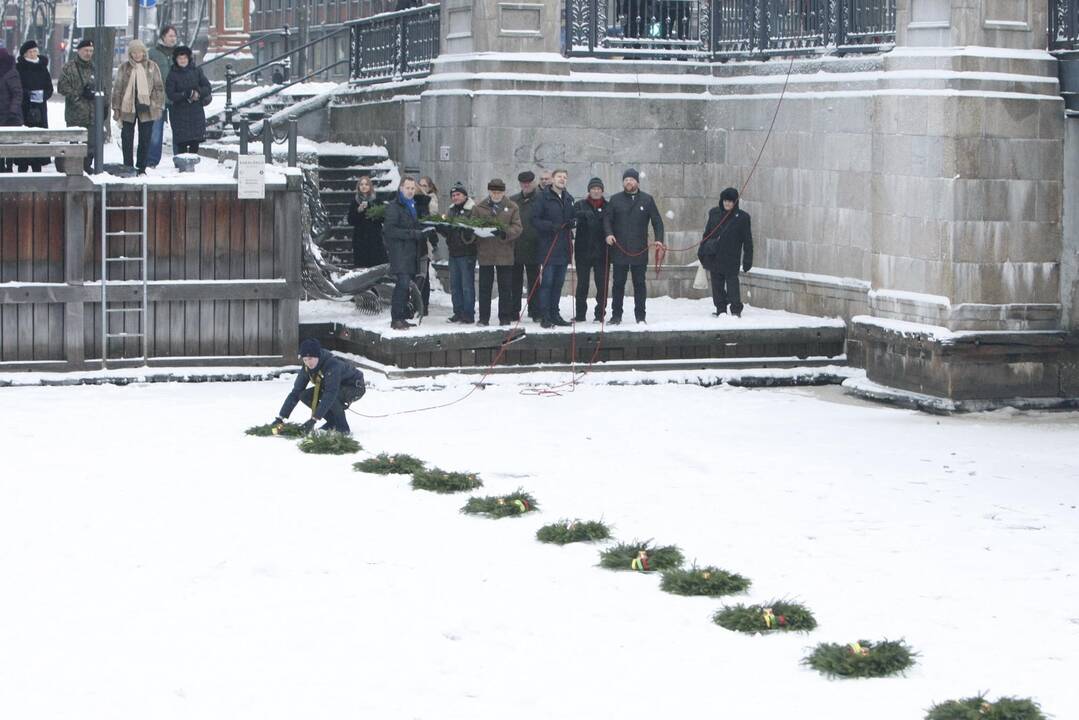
(132,376)
(966,367)
(869,390)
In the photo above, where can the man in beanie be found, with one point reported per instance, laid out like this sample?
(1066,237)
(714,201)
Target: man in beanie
(77,86)
(626,224)
(525,268)
(728,242)
(335,386)
(495,252)
(590,250)
(461,244)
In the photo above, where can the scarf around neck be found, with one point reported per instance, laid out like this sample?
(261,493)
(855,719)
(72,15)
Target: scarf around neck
(138,81)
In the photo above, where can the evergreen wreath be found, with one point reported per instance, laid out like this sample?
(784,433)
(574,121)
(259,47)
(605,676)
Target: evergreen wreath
(328,442)
(375,212)
(383,464)
(564,532)
(641,557)
(463,221)
(283,430)
(710,581)
(500,506)
(861,659)
(776,616)
(441,481)
(978,708)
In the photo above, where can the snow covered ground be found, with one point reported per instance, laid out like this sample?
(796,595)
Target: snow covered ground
(158,563)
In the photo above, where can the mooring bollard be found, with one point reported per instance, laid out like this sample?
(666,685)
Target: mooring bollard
(293,131)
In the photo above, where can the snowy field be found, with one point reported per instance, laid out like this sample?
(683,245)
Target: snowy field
(157,563)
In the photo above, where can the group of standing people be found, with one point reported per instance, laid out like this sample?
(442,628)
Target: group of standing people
(541,229)
(151,87)
(25,88)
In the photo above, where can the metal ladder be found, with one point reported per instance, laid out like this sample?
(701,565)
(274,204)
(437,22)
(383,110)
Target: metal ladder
(108,261)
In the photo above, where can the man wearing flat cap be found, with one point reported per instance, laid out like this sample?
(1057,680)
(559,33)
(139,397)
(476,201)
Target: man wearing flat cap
(525,268)
(626,223)
(496,252)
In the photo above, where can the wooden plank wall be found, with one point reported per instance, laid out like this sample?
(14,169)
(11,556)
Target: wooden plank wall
(31,251)
(224,274)
(198,235)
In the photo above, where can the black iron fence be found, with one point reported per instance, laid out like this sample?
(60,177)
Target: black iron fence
(1064,24)
(706,29)
(395,46)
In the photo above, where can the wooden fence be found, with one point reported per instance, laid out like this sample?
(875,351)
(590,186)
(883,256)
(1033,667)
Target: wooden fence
(223,274)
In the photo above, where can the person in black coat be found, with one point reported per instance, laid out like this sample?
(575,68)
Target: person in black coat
(36,82)
(336,386)
(728,242)
(626,223)
(554,219)
(590,251)
(403,234)
(368,249)
(10,99)
(189,92)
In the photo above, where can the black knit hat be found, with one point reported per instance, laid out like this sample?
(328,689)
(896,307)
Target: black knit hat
(459,187)
(595,182)
(526,176)
(183,50)
(85,42)
(631,173)
(310,348)
(729,194)
(28,45)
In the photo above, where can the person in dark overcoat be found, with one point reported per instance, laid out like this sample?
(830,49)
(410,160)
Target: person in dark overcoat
(335,385)
(368,249)
(590,251)
(36,82)
(728,243)
(626,223)
(10,99)
(403,234)
(554,219)
(188,91)
(525,267)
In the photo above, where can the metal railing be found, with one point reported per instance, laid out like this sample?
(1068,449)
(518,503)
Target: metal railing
(396,45)
(720,29)
(1064,24)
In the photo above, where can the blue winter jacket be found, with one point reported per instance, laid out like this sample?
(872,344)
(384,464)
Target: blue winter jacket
(553,219)
(335,373)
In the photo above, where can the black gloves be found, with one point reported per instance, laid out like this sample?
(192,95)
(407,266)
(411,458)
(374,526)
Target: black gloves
(746,267)
(88,91)
(308,426)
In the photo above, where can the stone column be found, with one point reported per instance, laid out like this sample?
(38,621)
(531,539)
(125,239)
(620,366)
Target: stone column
(501,26)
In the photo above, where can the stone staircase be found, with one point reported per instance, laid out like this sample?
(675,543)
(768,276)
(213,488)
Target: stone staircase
(338,172)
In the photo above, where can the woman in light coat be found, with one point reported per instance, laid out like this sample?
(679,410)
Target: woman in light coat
(138,98)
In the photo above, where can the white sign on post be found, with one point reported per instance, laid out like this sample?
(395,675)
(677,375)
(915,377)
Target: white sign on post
(115,13)
(251,177)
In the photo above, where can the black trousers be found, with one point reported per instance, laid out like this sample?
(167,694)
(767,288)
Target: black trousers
(640,289)
(521,290)
(336,419)
(399,299)
(598,269)
(504,273)
(181,148)
(726,289)
(127,138)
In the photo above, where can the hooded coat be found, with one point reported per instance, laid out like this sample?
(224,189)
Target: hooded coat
(35,77)
(10,91)
(728,238)
(188,119)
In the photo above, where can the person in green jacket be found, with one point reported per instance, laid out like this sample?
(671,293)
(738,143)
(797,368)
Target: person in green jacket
(161,54)
(77,86)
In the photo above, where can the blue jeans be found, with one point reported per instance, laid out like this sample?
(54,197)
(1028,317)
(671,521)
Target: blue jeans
(157,137)
(554,276)
(463,287)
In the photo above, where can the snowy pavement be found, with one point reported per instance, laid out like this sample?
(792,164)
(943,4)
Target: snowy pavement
(157,563)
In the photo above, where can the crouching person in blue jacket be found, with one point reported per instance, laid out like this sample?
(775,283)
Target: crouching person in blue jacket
(334,386)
